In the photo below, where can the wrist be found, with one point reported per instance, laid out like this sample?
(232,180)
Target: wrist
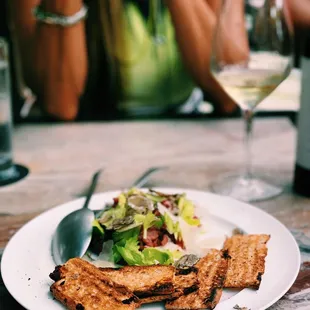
(61,7)
(63,16)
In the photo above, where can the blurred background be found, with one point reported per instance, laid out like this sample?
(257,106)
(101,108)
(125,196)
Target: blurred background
(136,70)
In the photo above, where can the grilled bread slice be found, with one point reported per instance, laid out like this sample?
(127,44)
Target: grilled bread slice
(143,281)
(80,285)
(157,298)
(247,263)
(211,275)
(186,280)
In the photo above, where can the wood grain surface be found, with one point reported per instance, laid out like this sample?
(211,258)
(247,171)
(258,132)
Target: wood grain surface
(62,159)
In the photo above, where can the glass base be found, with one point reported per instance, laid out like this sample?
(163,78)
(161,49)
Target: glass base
(8,174)
(244,189)
(13,174)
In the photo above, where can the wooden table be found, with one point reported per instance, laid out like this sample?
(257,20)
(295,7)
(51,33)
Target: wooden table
(62,159)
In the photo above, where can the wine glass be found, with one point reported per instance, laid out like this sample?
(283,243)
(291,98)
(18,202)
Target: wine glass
(251,56)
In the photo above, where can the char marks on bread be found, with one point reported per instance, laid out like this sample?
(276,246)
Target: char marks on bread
(247,264)
(211,276)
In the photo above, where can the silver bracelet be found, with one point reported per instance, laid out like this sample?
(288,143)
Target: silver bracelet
(58,19)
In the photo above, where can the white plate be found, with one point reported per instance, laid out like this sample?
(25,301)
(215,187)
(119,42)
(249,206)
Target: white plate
(27,261)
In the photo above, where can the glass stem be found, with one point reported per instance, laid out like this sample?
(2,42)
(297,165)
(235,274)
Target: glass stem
(248,118)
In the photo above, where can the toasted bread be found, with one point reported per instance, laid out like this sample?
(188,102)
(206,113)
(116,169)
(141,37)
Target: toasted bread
(157,298)
(186,280)
(247,263)
(80,285)
(144,281)
(211,275)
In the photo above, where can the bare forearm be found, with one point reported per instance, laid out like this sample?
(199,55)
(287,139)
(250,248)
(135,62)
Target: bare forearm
(22,26)
(232,39)
(194,23)
(214,5)
(193,33)
(57,67)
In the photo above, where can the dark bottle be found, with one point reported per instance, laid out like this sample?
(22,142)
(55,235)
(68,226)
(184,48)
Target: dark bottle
(302,169)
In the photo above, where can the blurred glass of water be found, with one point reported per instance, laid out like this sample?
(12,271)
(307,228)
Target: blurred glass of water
(7,169)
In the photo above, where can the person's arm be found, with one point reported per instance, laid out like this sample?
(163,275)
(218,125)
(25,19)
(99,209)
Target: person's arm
(195,23)
(233,37)
(194,35)
(54,58)
(300,12)
(215,6)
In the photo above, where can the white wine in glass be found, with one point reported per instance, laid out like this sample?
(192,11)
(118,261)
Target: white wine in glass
(251,56)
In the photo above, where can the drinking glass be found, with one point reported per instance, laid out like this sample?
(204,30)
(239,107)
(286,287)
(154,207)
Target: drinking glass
(251,56)
(7,169)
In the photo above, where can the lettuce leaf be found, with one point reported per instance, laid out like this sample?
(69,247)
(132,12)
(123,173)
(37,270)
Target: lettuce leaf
(149,256)
(134,191)
(149,220)
(126,247)
(130,252)
(122,201)
(155,198)
(114,213)
(120,238)
(97,227)
(173,228)
(153,256)
(187,211)
(176,254)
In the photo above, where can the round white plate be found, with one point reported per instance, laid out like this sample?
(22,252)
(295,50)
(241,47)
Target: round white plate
(27,260)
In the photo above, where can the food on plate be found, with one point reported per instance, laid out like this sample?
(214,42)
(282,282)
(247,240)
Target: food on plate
(186,280)
(187,261)
(247,263)
(80,285)
(151,246)
(144,281)
(211,275)
(147,228)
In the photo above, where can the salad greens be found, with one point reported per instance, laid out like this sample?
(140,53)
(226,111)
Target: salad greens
(172,227)
(143,228)
(148,221)
(126,247)
(187,211)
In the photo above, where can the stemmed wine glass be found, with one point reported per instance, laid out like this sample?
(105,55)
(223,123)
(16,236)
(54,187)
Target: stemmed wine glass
(251,56)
